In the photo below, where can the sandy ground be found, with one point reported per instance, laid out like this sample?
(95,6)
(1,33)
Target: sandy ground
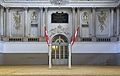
(43,70)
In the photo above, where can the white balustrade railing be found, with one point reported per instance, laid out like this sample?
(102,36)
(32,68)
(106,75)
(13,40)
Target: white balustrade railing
(42,47)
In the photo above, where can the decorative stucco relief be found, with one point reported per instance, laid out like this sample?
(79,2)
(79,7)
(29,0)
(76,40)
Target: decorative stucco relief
(59,30)
(102,18)
(85,22)
(85,18)
(33,22)
(34,17)
(17,20)
(102,22)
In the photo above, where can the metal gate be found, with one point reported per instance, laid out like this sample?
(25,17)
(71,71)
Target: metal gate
(59,50)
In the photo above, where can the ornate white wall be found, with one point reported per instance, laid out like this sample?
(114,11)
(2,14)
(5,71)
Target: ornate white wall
(93,23)
(60,28)
(43,10)
(103,24)
(85,22)
(34,22)
(15,27)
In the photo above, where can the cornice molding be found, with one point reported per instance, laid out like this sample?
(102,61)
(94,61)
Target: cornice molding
(59,3)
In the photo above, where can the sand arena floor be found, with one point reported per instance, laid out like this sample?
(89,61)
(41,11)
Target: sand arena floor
(43,70)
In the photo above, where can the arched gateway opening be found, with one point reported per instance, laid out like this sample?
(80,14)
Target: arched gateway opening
(59,54)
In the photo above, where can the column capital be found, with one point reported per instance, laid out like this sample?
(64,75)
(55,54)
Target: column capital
(73,7)
(25,7)
(46,8)
(8,9)
(40,7)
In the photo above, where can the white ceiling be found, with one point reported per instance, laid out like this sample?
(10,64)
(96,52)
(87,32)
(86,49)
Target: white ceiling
(71,3)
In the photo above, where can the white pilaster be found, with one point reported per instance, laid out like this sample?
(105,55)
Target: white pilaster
(69,59)
(50,58)
(78,19)
(80,22)
(7,22)
(26,27)
(93,22)
(10,24)
(1,21)
(118,23)
(45,18)
(41,22)
(90,24)
(112,22)
(73,21)
(4,23)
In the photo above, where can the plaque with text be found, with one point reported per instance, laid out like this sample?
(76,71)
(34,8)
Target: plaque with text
(59,18)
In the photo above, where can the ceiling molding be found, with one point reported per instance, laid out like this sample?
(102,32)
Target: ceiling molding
(71,3)
(118,4)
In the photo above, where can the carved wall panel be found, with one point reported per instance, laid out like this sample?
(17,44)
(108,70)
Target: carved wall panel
(34,22)
(85,22)
(17,22)
(102,22)
(61,27)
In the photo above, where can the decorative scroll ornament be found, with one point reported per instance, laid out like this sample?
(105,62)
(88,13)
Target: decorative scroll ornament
(59,29)
(102,18)
(59,2)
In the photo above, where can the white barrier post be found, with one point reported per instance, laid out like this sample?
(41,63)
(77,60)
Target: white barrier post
(69,62)
(50,64)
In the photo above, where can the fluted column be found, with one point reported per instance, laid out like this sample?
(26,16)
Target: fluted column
(112,22)
(26,27)
(41,23)
(78,19)
(118,21)
(93,22)
(1,21)
(4,23)
(73,21)
(45,18)
(8,28)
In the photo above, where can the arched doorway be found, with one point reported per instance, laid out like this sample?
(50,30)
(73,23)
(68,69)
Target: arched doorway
(59,54)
